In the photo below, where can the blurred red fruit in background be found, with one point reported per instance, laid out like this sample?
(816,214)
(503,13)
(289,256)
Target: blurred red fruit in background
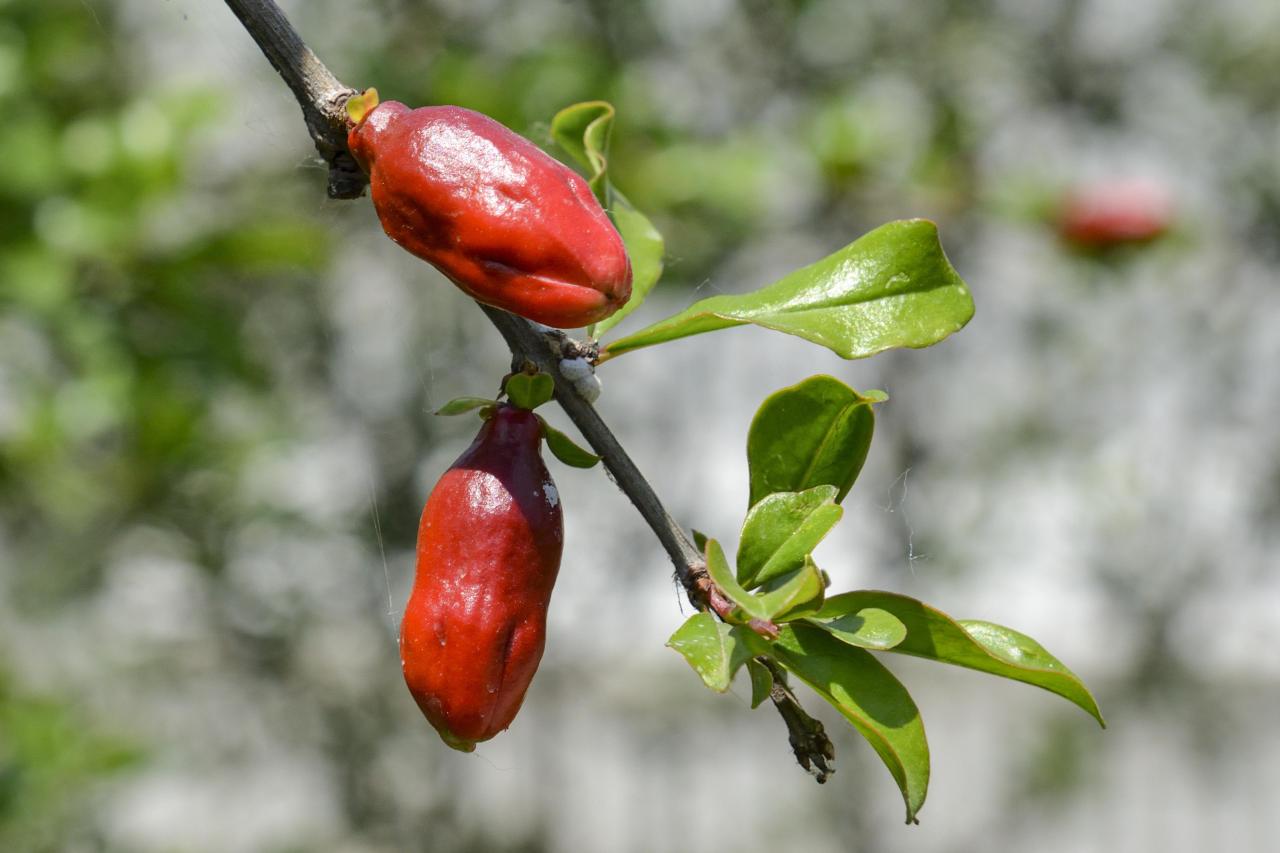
(1114,213)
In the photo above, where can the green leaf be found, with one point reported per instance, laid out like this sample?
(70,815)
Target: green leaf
(722,576)
(868,628)
(715,650)
(645,248)
(1018,650)
(893,287)
(814,433)
(761,682)
(977,645)
(583,131)
(781,530)
(462,405)
(529,391)
(700,541)
(564,448)
(791,595)
(868,696)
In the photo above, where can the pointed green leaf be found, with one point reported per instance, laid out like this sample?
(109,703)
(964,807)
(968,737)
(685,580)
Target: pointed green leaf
(714,650)
(1018,650)
(868,628)
(583,130)
(893,287)
(816,432)
(868,696)
(791,595)
(722,576)
(761,682)
(700,541)
(645,248)
(781,530)
(787,594)
(977,645)
(461,405)
(529,391)
(564,448)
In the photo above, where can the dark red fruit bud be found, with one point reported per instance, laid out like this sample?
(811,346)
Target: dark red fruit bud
(506,222)
(488,553)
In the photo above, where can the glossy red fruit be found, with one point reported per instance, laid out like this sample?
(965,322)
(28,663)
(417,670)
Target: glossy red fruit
(488,552)
(1115,213)
(506,222)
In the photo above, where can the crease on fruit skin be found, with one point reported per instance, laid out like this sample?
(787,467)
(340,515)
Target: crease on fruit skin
(488,553)
(504,221)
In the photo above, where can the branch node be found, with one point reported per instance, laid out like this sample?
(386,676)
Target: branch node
(702,592)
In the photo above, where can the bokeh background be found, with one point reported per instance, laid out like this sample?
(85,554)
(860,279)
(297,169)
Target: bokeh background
(215,429)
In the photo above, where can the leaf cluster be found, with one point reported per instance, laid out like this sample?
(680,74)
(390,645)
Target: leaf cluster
(805,448)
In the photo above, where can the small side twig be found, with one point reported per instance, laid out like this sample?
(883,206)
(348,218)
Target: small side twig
(323,101)
(809,741)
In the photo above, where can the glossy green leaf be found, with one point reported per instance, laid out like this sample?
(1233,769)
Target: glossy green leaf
(583,130)
(977,645)
(1018,650)
(893,287)
(868,628)
(761,682)
(723,577)
(529,391)
(462,405)
(786,595)
(793,594)
(781,530)
(564,448)
(868,696)
(715,650)
(814,433)
(645,248)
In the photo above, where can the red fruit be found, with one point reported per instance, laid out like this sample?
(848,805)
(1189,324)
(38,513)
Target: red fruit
(506,222)
(488,553)
(1114,213)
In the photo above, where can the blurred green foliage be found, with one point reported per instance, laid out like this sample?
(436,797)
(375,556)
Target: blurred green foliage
(123,287)
(49,758)
(124,283)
